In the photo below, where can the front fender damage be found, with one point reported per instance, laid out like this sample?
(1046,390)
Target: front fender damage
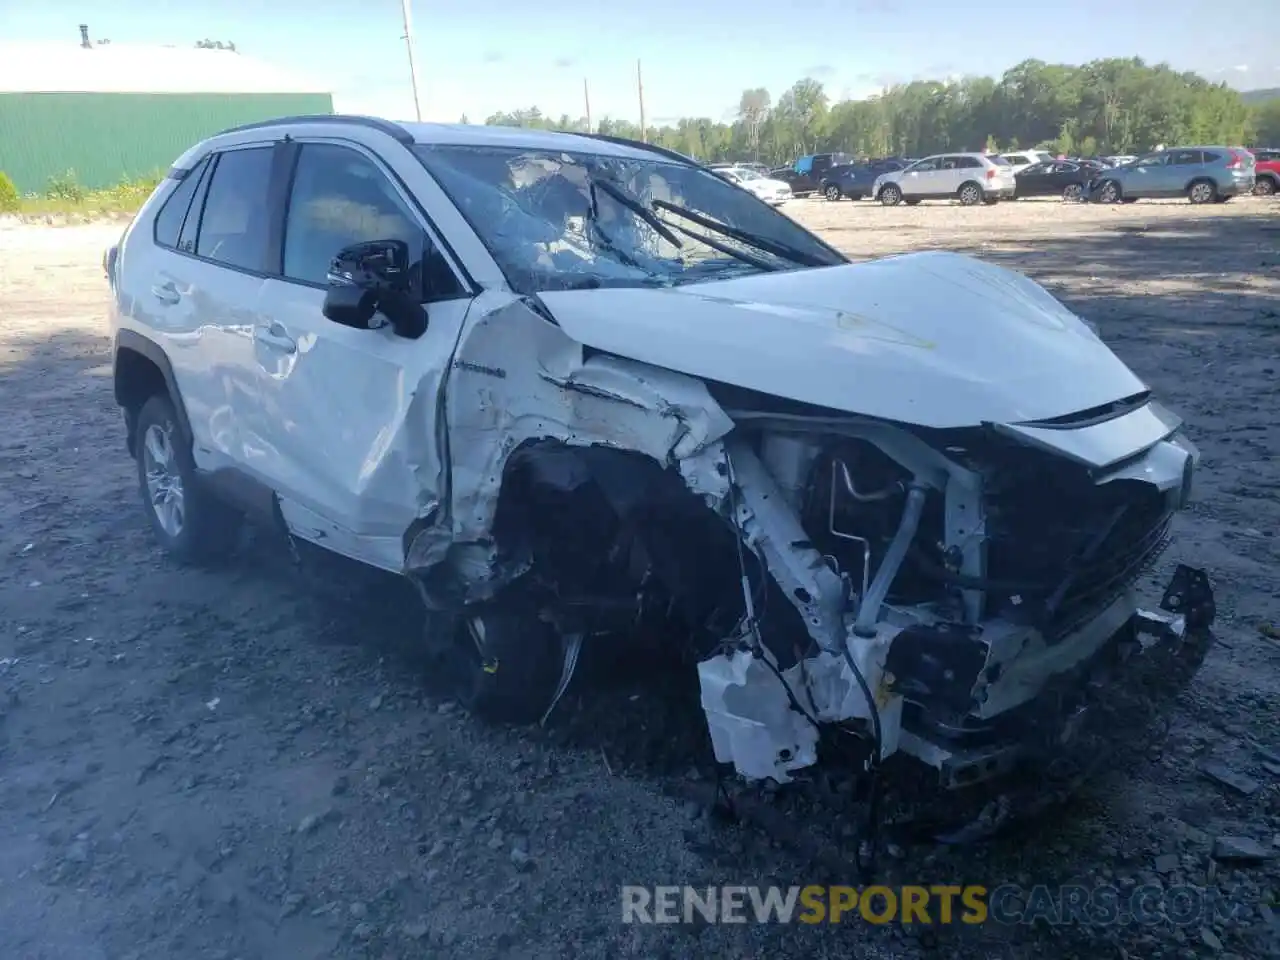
(945,677)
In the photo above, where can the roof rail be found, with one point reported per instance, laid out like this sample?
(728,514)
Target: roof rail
(373,123)
(641,145)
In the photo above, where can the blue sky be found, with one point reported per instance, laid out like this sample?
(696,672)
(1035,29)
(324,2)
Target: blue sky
(698,55)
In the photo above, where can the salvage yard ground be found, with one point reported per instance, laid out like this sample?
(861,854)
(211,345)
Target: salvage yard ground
(235,764)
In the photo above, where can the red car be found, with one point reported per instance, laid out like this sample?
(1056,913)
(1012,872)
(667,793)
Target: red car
(1268,172)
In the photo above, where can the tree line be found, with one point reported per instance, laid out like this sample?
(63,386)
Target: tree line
(1110,106)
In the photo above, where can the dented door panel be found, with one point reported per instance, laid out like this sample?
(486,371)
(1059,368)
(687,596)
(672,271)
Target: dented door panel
(345,429)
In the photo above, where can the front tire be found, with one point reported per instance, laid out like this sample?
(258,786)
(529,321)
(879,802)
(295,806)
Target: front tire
(890,195)
(1073,193)
(192,524)
(506,664)
(832,192)
(1264,187)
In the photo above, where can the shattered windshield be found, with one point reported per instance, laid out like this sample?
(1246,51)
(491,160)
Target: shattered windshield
(564,221)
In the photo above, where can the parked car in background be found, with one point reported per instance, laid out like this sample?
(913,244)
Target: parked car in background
(971,178)
(760,168)
(1023,159)
(1201,174)
(1267,171)
(1051,178)
(805,175)
(766,188)
(855,180)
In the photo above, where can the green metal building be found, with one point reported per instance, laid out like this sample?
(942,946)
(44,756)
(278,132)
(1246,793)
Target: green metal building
(110,112)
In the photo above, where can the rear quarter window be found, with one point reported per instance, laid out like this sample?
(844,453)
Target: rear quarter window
(999,162)
(173,212)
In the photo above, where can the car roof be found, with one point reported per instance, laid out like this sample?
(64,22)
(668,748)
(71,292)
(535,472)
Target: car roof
(475,135)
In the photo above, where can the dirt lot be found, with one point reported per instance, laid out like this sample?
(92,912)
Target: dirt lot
(234,764)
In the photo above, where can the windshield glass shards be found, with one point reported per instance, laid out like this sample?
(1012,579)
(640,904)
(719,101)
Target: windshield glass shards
(561,221)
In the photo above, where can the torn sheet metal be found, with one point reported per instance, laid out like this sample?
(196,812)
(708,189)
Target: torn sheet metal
(516,378)
(755,725)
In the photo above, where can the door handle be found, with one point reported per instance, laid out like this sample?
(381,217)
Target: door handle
(276,336)
(167,293)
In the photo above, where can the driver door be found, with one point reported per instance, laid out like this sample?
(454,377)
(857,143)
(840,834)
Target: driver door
(1148,176)
(921,179)
(347,427)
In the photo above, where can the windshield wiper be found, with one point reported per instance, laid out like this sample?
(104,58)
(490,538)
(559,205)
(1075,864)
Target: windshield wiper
(727,250)
(639,209)
(664,229)
(760,243)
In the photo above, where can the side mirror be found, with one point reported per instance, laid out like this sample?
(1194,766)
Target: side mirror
(370,281)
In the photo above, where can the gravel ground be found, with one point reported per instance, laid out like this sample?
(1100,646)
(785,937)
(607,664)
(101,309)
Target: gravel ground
(235,764)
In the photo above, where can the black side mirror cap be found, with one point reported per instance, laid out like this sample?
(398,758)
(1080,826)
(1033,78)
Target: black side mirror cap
(371,278)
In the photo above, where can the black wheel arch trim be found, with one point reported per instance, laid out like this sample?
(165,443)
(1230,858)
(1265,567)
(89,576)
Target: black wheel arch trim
(137,343)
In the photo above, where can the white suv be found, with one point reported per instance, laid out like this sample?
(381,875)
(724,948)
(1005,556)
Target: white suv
(771,191)
(971,178)
(579,389)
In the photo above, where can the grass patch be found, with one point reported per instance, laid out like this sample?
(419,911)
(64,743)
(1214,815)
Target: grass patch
(65,195)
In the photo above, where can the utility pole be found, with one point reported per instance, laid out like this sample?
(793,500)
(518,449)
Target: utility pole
(413,70)
(644,138)
(586,99)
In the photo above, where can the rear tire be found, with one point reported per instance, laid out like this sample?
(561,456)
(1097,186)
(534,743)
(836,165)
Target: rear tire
(1073,193)
(505,664)
(969,195)
(890,195)
(190,522)
(1202,191)
(832,192)
(1109,192)
(1264,187)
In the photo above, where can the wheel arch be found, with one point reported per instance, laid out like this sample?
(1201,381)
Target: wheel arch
(140,370)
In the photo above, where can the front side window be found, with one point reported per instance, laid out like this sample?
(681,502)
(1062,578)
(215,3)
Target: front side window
(233,228)
(555,220)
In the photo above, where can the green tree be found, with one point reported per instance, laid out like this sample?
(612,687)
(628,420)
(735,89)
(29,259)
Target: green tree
(1114,105)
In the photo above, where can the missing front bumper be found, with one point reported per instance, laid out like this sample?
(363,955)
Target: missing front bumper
(766,722)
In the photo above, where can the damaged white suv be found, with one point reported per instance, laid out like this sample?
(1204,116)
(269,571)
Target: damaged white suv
(573,385)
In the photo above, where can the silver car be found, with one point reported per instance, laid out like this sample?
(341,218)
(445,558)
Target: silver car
(1201,174)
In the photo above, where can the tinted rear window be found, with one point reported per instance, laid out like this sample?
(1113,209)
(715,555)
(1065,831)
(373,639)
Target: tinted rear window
(173,213)
(999,161)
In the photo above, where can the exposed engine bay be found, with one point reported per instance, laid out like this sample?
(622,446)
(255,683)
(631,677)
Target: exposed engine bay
(935,593)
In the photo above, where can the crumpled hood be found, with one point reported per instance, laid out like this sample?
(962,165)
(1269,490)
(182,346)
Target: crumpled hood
(934,339)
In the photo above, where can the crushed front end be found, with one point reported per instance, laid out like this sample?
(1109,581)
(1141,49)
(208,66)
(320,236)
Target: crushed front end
(956,596)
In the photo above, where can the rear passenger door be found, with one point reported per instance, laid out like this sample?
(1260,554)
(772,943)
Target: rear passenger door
(1036,180)
(947,179)
(203,290)
(348,423)
(1183,167)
